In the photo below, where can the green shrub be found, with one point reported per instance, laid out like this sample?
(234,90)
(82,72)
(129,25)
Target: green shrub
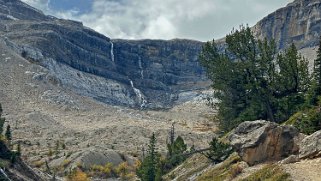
(3,163)
(307,122)
(218,151)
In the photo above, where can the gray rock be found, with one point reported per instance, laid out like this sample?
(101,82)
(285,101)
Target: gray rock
(260,141)
(88,158)
(290,159)
(298,22)
(60,98)
(311,146)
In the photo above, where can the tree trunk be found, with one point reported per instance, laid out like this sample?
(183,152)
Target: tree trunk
(269,111)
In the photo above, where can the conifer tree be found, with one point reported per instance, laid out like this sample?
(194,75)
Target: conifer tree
(218,151)
(2,120)
(8,134)
(150,164)
(177,150)
(316,86)
(317,69)
(250,83)
(19,149)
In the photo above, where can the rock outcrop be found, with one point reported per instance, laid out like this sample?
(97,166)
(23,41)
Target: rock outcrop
(310,146)
(260,141)
(91,157)
(299,22)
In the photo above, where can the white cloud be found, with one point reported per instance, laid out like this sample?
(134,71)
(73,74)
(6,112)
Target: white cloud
(166,19)
(40,4)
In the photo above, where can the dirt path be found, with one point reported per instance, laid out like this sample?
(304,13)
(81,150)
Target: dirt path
(306,170)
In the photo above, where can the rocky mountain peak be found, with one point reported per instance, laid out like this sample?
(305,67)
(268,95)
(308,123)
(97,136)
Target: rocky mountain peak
(299,23)
(18,10)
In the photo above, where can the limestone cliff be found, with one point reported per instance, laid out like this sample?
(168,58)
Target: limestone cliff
(144,73)
(141,73)
(299,22)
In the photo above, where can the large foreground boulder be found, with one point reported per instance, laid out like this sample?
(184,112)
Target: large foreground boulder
(260,141)
(311,146)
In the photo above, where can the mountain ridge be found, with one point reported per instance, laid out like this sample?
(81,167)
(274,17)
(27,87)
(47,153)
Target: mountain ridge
(162,64)
(147,73)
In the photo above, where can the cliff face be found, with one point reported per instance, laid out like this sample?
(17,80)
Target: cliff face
(144,73)
(299,22)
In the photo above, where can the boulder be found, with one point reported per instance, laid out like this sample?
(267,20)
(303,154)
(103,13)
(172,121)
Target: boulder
(90,157)
(290,159)
(311,146)
(260,141)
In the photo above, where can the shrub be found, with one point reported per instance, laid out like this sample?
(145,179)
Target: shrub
(122,169)
(69,154)
(235,170)
(38,164)
(3,163)
(103,171)
(218,151)
(50,152)
(77,175)
(65,163)
(270,172)
(307,122)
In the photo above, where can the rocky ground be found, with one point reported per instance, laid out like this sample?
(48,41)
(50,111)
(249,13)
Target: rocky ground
(305,170)
(41,113)
(263,151)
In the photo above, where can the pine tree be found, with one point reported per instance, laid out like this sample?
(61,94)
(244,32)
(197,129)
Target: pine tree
(8,134)
(57,147)
(2,120)
(316,85)
(317,69)
(250,83)
(171,140)
(19,149)
(149,166)
(218,151)
(177,149)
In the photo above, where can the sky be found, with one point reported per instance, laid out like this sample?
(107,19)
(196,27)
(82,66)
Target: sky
(161,19)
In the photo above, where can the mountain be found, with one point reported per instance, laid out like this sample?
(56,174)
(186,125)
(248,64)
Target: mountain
(62,82)
(134,73)
(143,73)
(299,23)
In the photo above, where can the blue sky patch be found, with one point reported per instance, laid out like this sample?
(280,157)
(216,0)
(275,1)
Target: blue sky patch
(83,6)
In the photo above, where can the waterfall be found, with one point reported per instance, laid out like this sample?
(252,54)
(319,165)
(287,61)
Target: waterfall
(141,68)
(112,51)
(139,95)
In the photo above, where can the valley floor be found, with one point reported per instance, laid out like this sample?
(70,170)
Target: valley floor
(42,113)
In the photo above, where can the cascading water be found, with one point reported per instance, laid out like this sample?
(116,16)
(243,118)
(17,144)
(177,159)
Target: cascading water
(139,95)
(141,68)
(112,51)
